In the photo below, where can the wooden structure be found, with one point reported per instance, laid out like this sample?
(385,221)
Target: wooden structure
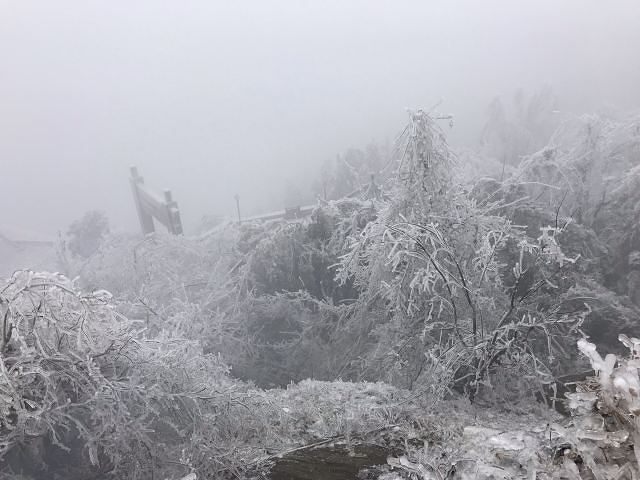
(368,191)
(289,214)
(165,210)
(150,206)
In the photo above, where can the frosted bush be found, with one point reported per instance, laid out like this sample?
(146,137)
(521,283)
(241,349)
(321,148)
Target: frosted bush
(81,383)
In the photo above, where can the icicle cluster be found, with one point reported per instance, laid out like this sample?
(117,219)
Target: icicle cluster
(605,433)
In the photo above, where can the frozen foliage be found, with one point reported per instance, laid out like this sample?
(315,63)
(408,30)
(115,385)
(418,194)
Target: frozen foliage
(82,388)
(431,272)
(599,441)
(583,164)
(352,171)
(604,435)
(520,127)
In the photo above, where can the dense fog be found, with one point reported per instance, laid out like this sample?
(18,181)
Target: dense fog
(211,99)
(320,240)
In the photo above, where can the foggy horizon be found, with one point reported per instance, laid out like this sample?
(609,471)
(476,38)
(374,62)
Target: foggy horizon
(214,99)
(433,271)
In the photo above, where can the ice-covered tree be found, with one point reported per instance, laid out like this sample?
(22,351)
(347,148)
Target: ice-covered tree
(86,233)
(435,290)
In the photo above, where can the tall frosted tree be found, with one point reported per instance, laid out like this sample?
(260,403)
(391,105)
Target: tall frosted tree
(431,269)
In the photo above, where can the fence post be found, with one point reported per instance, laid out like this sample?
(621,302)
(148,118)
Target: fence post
(146,220)
(173,213)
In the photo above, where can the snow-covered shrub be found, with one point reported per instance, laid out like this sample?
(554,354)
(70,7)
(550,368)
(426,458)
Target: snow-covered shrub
(83,389)
(263,295)
(157,267)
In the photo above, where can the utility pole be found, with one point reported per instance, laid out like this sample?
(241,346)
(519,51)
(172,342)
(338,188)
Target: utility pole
(237,197)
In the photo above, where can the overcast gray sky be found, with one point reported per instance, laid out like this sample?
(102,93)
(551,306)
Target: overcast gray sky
(211,97)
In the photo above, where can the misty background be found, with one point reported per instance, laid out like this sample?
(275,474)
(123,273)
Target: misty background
(211,99)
